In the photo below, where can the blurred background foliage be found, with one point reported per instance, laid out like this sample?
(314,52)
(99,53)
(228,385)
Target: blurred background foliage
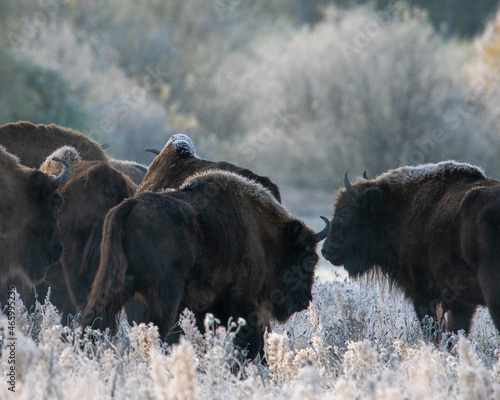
(299,90)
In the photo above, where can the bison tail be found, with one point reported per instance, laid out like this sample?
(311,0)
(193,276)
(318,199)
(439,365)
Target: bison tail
(112,287)
(92,251)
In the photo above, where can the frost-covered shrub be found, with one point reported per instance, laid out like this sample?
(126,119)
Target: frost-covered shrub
(360,91)
(315,355)
(124,111)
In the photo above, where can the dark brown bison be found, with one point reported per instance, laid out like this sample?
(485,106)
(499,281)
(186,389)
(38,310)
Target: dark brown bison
(175,163)
(93,188)
(433,230)
(219,242)
(178,160)
(29,210)
(33,143)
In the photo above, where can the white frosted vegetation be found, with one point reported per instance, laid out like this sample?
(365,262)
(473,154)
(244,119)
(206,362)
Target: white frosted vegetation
(355,341)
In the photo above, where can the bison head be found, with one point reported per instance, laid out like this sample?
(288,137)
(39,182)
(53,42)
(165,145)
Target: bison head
(182,145)
(40,246)
(363,233)
(295,280)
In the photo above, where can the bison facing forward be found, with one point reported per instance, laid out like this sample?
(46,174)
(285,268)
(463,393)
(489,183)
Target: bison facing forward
(220,242)
(29,210)
(433,230)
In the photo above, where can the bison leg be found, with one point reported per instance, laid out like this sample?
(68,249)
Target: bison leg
(488,281)
(250,339)
(460,317)
(78,289)
(163,301)
(59,298)
(250,336)
(426,310)
(136,311)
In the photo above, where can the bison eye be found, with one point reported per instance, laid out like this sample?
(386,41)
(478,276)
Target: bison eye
(309,265)
(342,216)
(57,201)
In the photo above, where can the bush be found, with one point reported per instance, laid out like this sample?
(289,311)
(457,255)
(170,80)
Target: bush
(39,94)
(361,90)
(353,342)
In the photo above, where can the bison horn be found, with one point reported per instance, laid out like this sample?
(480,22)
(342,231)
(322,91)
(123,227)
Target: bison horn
(63,177)
(365,175)
(318,237)
(154,151)
(140,167)
(350,189)
(105,146)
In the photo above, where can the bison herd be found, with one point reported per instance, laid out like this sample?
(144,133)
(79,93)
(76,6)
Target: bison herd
(105,234)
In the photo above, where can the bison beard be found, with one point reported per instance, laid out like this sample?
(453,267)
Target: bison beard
(220,242)
(432,230)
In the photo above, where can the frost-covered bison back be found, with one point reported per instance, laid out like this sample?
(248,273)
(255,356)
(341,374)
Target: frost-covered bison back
(433,230)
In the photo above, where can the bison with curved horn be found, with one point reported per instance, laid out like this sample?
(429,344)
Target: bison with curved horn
(93,188)
(220,242)
(432,230)
(29,209)
(176,162)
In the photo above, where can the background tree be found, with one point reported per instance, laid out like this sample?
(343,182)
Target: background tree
(362,88)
